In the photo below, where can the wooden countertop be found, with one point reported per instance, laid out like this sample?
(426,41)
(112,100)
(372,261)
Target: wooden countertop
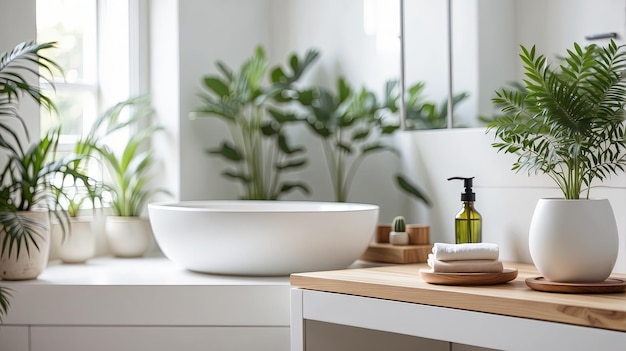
(515,298)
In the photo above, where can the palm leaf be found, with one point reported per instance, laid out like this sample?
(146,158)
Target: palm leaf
(5,295)
(569,124)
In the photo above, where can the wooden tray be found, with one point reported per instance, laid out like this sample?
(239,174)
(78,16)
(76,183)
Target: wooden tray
(611,285)
(381,252)
(431,277)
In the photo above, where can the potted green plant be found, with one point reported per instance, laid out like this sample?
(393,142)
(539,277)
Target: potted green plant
(254,112)
(569,125)
(27,201)
(81,244)
(398,234)
(29,170)
(352,125)
(129,173)
(349,125)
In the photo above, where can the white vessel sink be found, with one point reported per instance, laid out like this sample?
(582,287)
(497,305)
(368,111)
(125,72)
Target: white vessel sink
(262,237)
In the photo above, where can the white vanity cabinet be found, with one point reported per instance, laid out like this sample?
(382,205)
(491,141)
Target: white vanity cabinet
(157,338)
(397,301)
(145,304)
(14,338)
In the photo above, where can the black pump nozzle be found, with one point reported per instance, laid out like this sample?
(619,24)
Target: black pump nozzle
(468,195)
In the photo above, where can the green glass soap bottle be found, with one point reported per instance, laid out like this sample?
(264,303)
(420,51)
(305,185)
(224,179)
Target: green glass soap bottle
(468,222)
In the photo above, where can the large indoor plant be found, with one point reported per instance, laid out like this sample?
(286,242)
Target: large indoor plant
(130,171)
(569,124)
(350,126)
(29,171)
(254,112)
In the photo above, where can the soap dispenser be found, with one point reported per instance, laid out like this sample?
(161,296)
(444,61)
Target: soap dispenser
(468,222)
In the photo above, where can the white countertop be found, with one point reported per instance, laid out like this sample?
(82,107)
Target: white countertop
(137,271)
(146,291)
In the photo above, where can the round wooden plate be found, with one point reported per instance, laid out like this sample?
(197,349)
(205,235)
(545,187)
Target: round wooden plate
(431,277)
(611,285)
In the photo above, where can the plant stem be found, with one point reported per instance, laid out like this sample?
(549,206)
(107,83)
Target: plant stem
(331,162)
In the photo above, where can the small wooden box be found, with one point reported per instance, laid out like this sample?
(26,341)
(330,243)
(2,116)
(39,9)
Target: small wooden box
(419,234)
(384,252)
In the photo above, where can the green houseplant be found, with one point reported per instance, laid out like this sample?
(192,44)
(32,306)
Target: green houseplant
(29,170)
(420,112)
(129,172)
(80,201)
(398,234)
(259,148)
(569,125)
(350,125)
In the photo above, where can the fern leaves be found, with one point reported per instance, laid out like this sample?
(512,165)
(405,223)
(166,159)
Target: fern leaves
(568,121)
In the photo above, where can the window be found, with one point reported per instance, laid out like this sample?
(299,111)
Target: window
(95,53)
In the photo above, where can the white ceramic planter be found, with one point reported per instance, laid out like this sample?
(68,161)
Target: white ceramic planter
(128,236)
(28,264)
(80,241)
(399,238)
(574,240)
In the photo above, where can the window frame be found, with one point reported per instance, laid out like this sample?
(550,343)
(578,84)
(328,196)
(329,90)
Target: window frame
(126,42)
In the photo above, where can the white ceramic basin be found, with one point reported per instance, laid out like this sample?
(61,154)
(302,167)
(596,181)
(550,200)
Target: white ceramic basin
(262,237)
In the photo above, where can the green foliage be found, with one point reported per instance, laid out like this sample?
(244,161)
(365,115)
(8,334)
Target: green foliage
(411,189)
(420,112)
(259,148)
(16,66)
(517,86)
(27,172)
(73,197)
(129,170)
(27,177)
(569,125)
(28,180)
(398,225)
(5,294)
(350,125)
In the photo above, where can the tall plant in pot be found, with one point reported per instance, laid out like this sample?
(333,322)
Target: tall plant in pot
(259,150)
(350,127)
(353,125)
(129,172)
(29,170)
(569,124)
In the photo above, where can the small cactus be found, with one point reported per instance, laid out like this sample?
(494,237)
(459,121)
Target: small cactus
(398,224)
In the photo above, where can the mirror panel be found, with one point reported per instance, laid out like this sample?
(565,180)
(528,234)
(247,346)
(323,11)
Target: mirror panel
(426,63)
(487,35)
(358,39)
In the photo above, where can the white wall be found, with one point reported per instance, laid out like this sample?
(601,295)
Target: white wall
(18,24)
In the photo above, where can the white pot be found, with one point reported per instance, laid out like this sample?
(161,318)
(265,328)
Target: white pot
(399,238)
(29,263)
(80,241)
(128,236)
(574,240)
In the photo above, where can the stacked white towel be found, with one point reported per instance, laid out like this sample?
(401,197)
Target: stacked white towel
(465,258)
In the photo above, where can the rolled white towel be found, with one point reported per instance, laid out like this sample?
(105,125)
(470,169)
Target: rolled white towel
(456,252)
(465,266)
